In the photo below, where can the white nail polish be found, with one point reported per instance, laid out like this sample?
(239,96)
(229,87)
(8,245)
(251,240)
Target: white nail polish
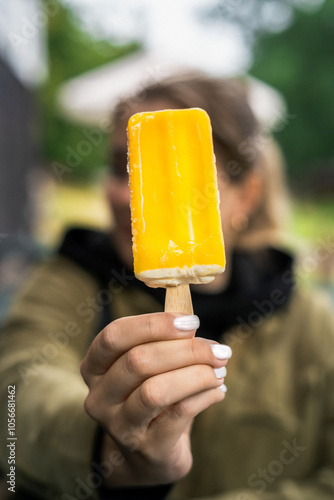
(186,323)
(221,351)
(223,388)
(220,372)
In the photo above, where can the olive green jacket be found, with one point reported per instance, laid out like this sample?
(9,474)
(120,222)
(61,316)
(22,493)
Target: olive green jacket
(272,438)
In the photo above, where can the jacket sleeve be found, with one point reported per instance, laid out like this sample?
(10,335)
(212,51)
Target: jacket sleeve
(319,483)
(41,346)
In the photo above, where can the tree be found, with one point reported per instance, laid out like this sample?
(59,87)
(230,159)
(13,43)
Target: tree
(293,51)
(71,52)
(298,62)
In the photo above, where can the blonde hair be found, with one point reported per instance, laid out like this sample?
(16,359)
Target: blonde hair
(267,224)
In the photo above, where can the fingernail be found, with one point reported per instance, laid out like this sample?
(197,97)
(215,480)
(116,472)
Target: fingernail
(223,388)
(220,372)
(221,351)
(186,323)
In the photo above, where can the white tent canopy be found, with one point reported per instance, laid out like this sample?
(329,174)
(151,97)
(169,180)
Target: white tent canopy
(88,98)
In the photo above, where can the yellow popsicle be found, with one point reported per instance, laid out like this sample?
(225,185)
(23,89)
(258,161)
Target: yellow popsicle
(176,225)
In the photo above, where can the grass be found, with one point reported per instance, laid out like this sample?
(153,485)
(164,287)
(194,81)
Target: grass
(61,206)
(312,219)
(311,232)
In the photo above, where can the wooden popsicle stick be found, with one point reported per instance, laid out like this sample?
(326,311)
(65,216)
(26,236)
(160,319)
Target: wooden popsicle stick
(178,300)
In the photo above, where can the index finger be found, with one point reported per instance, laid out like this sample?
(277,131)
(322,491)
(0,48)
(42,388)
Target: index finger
(124,333)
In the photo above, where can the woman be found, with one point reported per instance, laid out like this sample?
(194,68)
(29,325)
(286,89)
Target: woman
(148,378)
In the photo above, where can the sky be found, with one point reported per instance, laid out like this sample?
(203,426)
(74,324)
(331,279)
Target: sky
(22,39)
(171,28)
(174,28)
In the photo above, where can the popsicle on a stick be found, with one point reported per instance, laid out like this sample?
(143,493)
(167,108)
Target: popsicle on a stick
(176,225)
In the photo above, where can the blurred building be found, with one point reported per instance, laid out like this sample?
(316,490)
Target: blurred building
(88,98)
(17,151)
(22,68)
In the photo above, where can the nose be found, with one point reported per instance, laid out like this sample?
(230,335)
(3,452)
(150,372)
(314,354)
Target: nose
(118,193)
(123,192)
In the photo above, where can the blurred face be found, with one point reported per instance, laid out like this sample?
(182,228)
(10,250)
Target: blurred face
(233,197)
(118,192)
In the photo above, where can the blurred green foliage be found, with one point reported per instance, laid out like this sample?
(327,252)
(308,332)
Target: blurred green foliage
(71,51)
(296,59)
(312,220)
(299,62)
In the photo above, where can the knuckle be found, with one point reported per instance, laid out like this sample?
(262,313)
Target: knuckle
(182,409)
(108,337)
(195,349)
(150,324)
(199,350)
(206,376)
(182,468)
(83,370)
(150,396)
(157,324)
(137,361)
(90,406)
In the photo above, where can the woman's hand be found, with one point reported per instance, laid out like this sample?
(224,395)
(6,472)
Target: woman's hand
(148,377)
